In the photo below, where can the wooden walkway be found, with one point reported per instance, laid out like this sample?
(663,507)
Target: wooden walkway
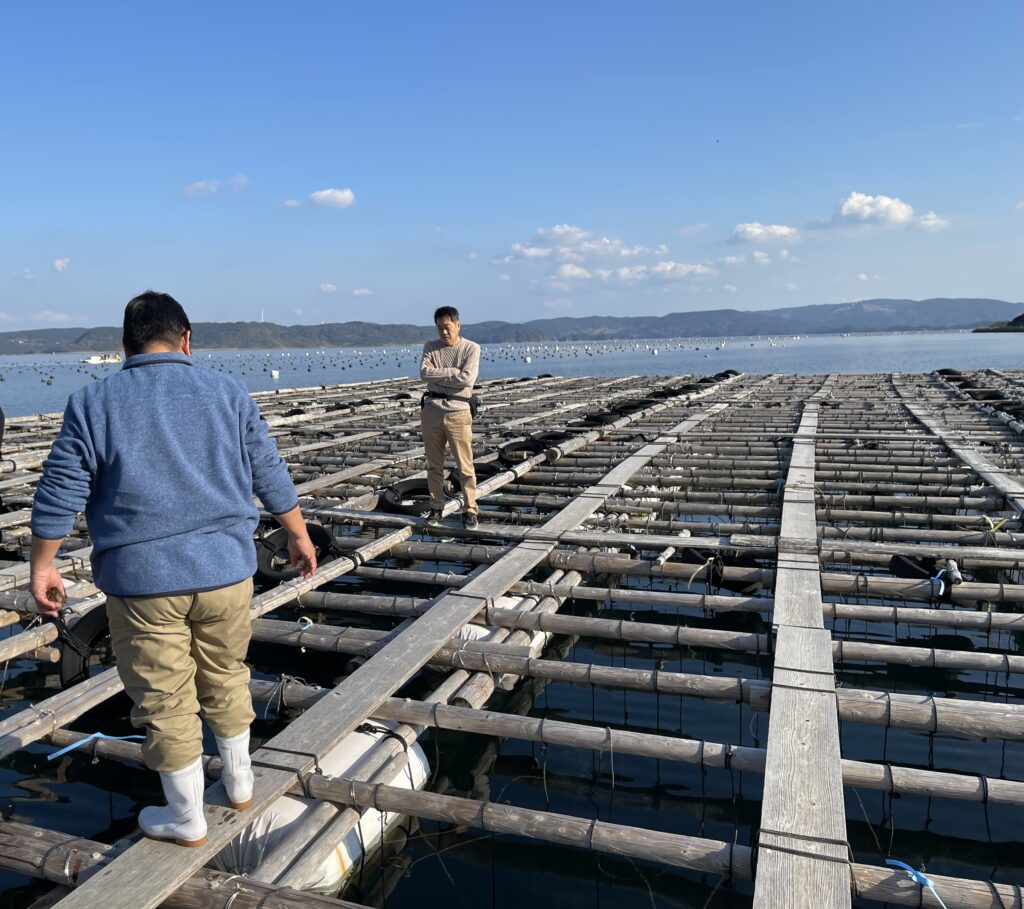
(680,500)
(804,853)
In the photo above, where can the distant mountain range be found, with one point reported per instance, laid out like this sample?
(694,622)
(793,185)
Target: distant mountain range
(830,318)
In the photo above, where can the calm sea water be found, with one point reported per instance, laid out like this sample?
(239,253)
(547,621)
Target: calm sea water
(36,384)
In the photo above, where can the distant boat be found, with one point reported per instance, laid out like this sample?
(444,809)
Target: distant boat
(101,359)
(275,373)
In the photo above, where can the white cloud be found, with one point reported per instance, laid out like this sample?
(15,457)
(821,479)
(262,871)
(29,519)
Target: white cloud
(756,232)
(761,258)
(860,207)
(296,312)
(525,251)
(504,277)
(568,270)
(568,243)
(931,221)
(729,288)
(1020,205)
(732,260)
(783,253)
(5,317)
(658,272)
(328,288)
(882,211)
(61,264)
(202,188)
(27,274)
(557,304)
(692,230)
(48,315)
(627,274)
(333,198)
(791,285)
(677,270)
(471,256)
(292,203)
(861,276)
(582,255)
(362,292)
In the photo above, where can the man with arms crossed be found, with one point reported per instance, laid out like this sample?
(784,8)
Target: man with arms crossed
(450,366)
(164,458)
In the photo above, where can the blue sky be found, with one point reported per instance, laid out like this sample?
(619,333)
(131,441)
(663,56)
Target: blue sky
(327,161)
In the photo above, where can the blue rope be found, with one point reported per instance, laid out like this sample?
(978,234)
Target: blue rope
(90,738)
(917,877)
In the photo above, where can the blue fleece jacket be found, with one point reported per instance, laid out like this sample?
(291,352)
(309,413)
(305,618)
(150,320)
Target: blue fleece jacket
(163,457)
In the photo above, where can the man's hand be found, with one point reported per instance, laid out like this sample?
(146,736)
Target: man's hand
(48,589)
(47,585)
(302,551)
(300,546)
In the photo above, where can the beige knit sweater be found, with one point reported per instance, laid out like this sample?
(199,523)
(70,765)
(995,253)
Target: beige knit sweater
(450,370)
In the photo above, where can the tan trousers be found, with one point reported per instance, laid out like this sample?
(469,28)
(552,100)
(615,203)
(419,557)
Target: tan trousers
(179,657)
(455,429)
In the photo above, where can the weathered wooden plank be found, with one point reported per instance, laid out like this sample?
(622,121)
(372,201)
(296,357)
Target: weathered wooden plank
(803,860)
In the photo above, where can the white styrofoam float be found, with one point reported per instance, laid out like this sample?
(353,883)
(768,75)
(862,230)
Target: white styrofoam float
(248,850)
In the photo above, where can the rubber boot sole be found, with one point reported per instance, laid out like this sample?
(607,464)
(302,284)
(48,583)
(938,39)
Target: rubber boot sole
(238,806)
(188,844)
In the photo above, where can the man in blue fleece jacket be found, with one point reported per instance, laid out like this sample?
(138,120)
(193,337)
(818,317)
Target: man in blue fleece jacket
(164,457)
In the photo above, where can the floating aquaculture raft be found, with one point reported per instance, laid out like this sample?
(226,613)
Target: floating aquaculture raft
(841,555)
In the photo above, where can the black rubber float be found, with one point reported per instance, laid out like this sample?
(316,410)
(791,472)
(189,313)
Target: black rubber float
(273,564)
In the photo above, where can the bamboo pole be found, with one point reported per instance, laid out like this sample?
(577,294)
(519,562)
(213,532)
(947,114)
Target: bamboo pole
(27,641)
(679,851)
(858,585)
(38,720)
(435,714)
(858,774)
(949,716)
(955,618)
(631,631)
(70,860)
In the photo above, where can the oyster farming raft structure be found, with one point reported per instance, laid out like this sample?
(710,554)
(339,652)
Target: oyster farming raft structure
(798,598)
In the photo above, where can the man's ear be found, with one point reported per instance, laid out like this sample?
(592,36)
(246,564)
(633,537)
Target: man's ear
(186,343)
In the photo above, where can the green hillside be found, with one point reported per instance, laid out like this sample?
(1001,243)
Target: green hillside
(836,318)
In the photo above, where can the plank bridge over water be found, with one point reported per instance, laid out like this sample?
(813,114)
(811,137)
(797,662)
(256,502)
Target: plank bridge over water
(657,515)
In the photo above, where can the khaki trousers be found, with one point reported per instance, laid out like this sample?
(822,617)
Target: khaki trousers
(179,657)
(455,429)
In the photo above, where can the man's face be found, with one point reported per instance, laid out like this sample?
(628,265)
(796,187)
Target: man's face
(448,330)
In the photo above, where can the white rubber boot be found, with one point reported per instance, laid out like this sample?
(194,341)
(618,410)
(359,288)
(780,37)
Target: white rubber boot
(181,820)
(237,773)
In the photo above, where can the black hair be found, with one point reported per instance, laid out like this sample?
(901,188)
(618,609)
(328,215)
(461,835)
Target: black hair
(446,312)
(153,318)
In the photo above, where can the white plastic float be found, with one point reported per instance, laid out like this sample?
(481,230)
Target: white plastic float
(245,853)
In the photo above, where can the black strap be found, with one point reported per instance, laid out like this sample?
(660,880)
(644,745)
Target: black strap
(71,639)
(446,396)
